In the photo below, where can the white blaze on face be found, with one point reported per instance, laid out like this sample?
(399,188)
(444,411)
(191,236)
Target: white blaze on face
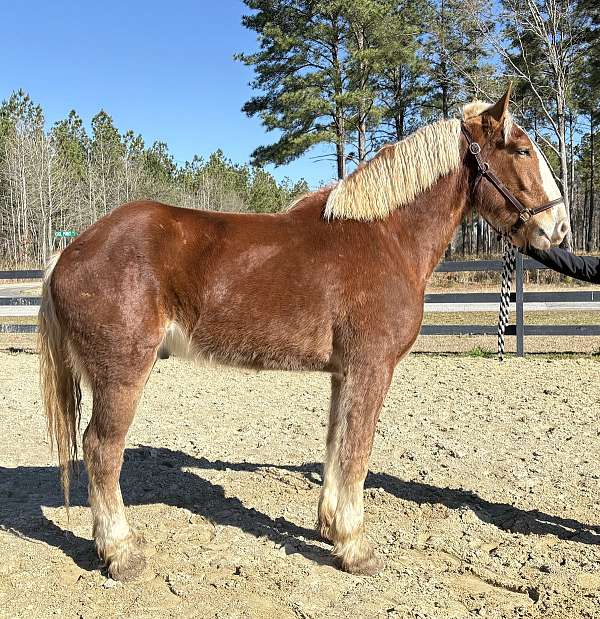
(548,182)
(559,213)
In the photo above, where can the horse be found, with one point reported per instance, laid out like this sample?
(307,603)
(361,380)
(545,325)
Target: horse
(335,283)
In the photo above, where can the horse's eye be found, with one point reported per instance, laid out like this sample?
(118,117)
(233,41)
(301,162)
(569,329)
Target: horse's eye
(523,152)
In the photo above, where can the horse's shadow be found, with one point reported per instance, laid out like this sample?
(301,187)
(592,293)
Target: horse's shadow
(156,475)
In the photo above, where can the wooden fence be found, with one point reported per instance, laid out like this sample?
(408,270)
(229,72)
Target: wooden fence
(575,300)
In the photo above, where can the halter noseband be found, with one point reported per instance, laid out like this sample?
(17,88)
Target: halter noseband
(484,171)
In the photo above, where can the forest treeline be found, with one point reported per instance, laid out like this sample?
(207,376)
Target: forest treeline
(65,178)
(348,75)
(355,74)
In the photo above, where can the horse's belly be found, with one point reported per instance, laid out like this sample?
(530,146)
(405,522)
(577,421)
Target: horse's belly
(273,342)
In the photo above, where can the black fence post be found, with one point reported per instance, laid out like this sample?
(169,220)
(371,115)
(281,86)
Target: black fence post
(520,326)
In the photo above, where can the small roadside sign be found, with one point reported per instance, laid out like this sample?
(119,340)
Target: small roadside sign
(64,234)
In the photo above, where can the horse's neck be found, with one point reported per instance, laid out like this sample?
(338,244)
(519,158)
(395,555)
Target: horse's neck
(426,226)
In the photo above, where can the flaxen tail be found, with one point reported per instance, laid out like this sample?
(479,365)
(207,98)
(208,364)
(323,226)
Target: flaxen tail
(60,383)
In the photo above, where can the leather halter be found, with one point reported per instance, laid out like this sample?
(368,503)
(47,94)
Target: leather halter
(484,171)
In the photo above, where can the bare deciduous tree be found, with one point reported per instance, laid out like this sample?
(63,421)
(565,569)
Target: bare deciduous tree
(540,42)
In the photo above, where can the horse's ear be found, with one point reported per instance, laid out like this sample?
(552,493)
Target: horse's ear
(493,117)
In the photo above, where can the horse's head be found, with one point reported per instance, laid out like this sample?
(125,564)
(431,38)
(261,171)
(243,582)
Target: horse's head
(521,167)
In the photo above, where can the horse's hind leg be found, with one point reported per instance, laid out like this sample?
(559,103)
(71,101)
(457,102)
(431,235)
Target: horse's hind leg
(361,396)
(331,469)
(103,443)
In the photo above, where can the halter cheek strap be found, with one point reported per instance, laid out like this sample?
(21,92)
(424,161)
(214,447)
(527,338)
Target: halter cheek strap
(484,171)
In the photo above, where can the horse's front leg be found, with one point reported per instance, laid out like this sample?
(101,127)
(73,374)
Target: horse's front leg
(360,397)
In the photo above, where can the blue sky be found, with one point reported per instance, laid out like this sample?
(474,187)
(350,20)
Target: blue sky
(163,69)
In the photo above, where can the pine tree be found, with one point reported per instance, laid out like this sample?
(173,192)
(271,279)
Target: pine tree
(72,143)
(133,162)
(107,155)
(399,67)
(302,73)
(455,56)
(363,21)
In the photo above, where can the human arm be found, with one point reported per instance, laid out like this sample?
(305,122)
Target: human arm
(586,268)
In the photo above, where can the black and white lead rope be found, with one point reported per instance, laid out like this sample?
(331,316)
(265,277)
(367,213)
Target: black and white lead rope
(508,272)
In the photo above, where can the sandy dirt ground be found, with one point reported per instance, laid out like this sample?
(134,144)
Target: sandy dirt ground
(483,497)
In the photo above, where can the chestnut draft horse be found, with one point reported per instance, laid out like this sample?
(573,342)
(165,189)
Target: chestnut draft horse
(336,283)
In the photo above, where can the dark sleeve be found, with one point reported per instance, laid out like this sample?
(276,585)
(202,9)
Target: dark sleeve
(586,268)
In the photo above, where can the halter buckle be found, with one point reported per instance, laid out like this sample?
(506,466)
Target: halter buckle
(474,148)
(525,216)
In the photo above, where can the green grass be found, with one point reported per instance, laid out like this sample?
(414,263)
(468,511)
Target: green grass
(479,352)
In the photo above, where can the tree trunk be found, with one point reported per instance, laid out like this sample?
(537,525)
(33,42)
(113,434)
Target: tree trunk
(571,161)
(564,168)
(443,65)
(445,107)
(340,125)
(362,140)
(590,230)
(399,114)
(340,153)
(479,235)
(362,114)
(398,125)
(586,213)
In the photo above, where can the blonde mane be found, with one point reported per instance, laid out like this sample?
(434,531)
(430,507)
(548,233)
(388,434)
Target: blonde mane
(400,172)
(397,174)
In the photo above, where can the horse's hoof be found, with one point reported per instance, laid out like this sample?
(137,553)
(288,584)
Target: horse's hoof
(128,568)
(366,566)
